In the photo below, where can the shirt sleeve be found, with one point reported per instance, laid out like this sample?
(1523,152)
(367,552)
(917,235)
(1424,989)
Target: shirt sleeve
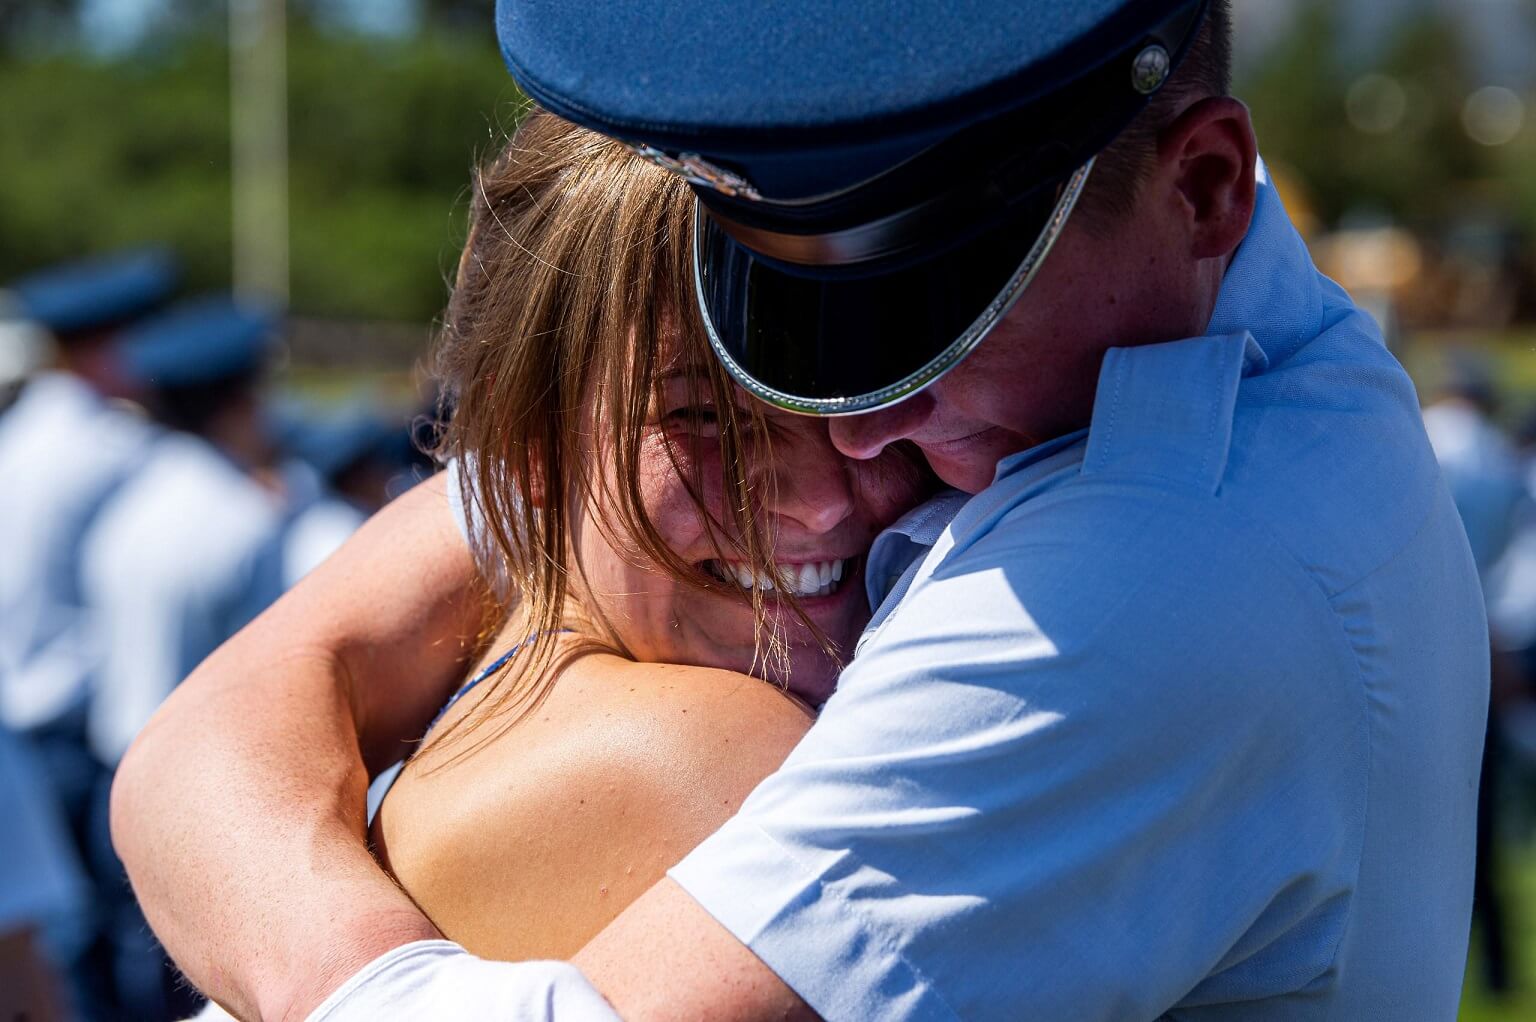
(1109,759)
(437,979)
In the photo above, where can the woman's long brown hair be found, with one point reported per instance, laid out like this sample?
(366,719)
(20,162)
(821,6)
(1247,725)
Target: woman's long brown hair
(577,266)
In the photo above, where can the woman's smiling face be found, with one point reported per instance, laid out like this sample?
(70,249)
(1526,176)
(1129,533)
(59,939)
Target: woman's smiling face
(819,510)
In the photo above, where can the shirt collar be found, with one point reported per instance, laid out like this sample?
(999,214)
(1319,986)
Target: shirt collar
(1271,289)
(1023,459)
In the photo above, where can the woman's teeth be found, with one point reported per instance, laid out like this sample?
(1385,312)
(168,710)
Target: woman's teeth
(814,578)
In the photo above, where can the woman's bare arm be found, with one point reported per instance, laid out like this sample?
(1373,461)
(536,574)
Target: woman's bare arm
(239,812)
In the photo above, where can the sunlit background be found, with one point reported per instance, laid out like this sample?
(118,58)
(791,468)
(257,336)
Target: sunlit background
(315,156)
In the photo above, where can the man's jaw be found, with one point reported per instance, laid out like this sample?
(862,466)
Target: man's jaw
(968,462)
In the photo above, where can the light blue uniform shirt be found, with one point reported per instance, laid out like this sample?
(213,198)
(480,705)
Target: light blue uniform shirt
(1484,478)
(63,452)
(177,563)
(1181,717)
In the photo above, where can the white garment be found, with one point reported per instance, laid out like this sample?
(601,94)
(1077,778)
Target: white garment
(315,533)
(40,878)
(437,979)
(1484,476)
(63,450)
(175,565)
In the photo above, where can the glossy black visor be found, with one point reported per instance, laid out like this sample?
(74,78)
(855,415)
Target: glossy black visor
(846,322)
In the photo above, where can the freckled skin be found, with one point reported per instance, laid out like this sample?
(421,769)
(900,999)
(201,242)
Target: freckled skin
(645,771)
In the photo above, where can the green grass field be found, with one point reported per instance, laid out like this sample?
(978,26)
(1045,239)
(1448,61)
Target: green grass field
(1519,874)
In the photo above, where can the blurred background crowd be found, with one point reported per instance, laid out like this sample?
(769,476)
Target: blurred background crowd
(226,228)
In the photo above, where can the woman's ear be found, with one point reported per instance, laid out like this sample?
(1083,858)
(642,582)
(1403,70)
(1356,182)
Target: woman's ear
(1209,155)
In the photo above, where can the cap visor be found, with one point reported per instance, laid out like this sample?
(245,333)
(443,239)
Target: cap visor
(843,341)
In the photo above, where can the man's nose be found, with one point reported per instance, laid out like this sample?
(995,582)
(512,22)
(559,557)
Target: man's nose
(812,486)
(864,436)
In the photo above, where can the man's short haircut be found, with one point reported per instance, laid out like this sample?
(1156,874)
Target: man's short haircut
(1123,166)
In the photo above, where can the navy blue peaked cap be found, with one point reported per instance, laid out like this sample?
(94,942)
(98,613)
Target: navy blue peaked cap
(200,342)
(98,294)
(809,97)
(878,181)
(333,445)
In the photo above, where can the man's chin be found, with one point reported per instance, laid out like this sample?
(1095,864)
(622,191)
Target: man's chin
(970,463)
(970,475)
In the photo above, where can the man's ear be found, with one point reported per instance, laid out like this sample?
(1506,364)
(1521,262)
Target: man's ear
(1211,153)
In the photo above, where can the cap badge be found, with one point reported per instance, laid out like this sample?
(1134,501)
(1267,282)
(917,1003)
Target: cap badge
(1150,69)
(696,170)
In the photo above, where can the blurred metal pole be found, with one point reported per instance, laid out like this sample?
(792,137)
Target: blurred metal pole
(258,99)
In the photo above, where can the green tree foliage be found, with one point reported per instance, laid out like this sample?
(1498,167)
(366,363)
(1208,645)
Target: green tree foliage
(26,17)
(383,137)
(1385,133)
(98,153)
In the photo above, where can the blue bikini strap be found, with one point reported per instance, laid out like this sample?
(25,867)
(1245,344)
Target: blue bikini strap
(489,670)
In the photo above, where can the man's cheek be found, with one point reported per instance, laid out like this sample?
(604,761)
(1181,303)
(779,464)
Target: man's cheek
(891,485)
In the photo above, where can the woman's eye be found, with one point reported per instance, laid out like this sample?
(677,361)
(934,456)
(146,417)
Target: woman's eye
(697,419)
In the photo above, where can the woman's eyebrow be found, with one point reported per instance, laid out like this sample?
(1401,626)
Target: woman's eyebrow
(698,375)
(684,372)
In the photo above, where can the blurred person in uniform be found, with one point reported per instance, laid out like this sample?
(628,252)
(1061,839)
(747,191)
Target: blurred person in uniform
(72,448)
(65,446)
(173,565)
(23,351)
(41,881)
(353,457)
(1478,460)
(1483,473)
(1512,598)
(170,563)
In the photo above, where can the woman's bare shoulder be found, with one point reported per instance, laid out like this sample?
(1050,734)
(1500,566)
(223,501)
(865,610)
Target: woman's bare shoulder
(573,812)
(667,749)
(608,714)
(690,711)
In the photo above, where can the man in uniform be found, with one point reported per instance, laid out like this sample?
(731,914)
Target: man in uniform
(175,564)
(1483,474)
(65,448)
(1179,715)
(349,459)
